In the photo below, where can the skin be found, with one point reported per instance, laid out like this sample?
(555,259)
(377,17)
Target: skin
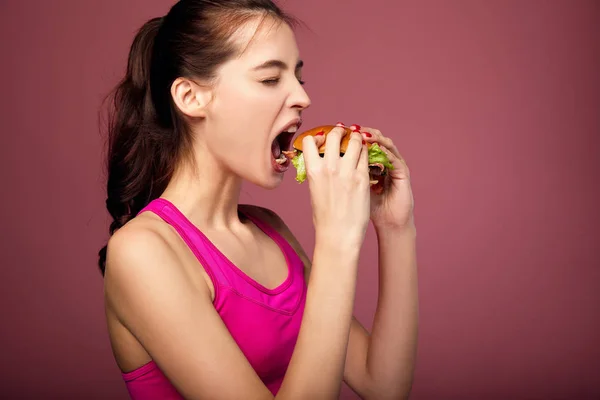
(177,327)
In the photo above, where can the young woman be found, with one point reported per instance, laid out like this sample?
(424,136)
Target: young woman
(207,298)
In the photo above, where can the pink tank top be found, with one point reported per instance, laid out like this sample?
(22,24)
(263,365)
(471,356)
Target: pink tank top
(264,322)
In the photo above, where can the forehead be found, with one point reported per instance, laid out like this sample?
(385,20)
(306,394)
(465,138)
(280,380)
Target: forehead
(266,38)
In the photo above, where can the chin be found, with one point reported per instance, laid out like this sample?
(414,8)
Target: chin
(269,180)
(272,182)
(268,176)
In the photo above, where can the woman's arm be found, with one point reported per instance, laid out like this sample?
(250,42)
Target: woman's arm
(392,347)
(176,323)
(381,365)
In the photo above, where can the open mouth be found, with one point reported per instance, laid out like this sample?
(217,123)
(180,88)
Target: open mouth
(281,145)
(281,149)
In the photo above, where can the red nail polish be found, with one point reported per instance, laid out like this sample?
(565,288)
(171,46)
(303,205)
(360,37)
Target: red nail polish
(355,127)
(364,142)
(367,134)
(340,124)
(320,133)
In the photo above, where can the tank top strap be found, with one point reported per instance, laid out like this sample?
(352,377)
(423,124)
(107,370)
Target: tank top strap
(197,243)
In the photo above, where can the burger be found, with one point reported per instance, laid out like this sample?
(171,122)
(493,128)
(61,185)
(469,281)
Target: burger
(379,164)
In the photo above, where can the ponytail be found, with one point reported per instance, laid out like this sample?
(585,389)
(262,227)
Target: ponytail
(137,169)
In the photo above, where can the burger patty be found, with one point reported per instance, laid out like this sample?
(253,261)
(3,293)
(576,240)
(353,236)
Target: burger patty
(376,169)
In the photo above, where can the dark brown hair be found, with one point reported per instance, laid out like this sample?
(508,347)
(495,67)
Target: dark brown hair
(147,136)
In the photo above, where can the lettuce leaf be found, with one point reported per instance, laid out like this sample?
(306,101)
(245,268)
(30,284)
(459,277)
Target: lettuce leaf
(298,162)
(376,156)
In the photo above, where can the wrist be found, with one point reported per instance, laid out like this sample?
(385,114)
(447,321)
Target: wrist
(336,245)
(331,246)
(408,227)
(341,239)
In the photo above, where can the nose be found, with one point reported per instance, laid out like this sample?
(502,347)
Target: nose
(299,98)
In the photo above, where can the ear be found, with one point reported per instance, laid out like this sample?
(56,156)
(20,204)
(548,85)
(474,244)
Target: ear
(191,98)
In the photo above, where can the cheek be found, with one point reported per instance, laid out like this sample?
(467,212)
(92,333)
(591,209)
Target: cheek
(246,100)
(246,113)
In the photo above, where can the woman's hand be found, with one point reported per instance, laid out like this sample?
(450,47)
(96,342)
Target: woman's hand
(338,187)
(394,207)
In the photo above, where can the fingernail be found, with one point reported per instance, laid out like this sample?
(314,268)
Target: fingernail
(320,133)
(367,134)
(364,142)
(340,124)
(355,127)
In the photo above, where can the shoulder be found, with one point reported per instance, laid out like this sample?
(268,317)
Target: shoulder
(274,220)
(141,255)
(140,239)
(145,276)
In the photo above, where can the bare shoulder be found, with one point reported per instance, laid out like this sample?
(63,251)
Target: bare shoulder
(141,256)
(274,220)
(140,240)
(135,239)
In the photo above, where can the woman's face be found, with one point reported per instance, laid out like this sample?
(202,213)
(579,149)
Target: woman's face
(257,96)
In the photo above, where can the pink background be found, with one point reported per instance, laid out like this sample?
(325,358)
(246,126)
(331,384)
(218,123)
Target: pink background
(495,105)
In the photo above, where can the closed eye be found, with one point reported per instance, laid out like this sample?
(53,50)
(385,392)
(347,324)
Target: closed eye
(271,82)
(275,81)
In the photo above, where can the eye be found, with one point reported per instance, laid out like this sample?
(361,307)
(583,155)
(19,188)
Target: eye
(275,81)
(270,82)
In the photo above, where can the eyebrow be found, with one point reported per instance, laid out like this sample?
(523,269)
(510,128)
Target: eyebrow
(277,64)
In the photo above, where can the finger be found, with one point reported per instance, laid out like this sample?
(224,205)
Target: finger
(400,166)
(311,151)
(375,136)
(319,141)
(392,156)
(353,150)
(333,140)
(363,160)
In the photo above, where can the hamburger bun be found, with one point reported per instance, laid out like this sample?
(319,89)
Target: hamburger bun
(325,129)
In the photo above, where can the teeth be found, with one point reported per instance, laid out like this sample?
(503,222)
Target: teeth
(281,160)
(293,129)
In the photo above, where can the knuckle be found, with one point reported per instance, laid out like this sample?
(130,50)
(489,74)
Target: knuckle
(360,186)
(335,136)
(337,132)
(362,179)
(333,169)
(313,173)
(314,168)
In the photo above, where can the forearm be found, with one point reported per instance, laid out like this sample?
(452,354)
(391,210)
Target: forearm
(317,365)
(393,341)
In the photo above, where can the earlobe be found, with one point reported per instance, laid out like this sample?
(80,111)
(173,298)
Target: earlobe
(190,98)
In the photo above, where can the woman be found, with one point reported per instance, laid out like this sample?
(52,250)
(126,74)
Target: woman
(210,299)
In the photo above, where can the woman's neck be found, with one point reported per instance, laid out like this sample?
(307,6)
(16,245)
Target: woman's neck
(208,195)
